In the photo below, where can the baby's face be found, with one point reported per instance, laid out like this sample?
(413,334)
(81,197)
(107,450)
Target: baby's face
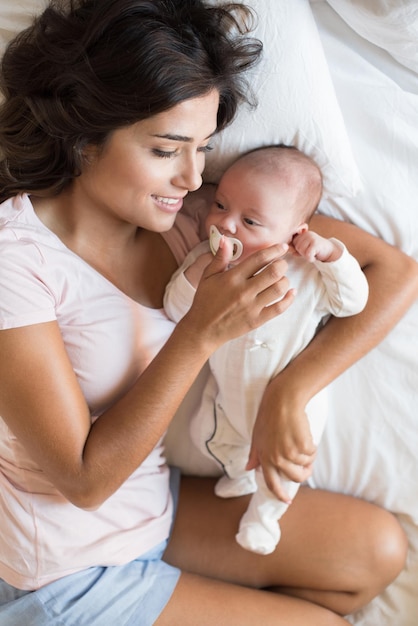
(254,208)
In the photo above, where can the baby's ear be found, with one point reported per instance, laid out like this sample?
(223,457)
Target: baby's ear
(302,228)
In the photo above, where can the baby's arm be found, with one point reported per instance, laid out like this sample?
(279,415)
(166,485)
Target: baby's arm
(181,289)
(194,272)
(346,286)
(313,247)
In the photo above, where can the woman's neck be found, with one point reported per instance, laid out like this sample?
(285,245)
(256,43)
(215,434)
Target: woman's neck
(136,261)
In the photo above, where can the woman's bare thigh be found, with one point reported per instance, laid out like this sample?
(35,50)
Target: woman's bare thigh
(332,546)
(199,601)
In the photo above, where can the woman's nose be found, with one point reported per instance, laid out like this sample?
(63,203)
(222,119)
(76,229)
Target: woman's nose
(189,175)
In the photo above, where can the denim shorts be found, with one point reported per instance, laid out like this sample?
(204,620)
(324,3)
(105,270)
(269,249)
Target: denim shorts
(128,595)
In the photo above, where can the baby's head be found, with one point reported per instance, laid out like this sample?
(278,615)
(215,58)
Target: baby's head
(267,196)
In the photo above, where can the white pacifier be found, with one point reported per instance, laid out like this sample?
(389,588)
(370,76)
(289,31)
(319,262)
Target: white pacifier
(215,238)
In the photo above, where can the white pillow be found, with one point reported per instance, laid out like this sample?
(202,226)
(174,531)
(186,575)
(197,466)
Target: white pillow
(296,100)
(389,24)
(15,15)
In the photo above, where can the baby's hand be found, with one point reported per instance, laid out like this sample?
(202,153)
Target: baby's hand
(313,247)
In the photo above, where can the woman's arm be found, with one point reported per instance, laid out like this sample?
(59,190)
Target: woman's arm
(393,285)
(42,403)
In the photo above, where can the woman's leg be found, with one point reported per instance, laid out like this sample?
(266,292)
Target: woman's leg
(208,602)
(335,551)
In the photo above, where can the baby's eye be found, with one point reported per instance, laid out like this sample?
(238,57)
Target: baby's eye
(219,205)
(163,154)
(249,221)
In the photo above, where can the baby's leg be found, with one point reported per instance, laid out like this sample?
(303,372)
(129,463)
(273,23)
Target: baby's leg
(231,487)
(203,424)
(259,529)
(231,450)
(233,453)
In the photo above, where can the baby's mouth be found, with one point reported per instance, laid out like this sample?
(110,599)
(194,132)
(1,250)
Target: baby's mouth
(215,237)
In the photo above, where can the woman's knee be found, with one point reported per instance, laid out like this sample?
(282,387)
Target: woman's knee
(389,548)
(385,549)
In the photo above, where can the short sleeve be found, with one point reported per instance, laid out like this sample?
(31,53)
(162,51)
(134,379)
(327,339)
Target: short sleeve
(25,297)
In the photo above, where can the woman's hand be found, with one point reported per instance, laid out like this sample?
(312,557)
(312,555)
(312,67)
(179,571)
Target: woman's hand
(393,287)
(230,303)
(282,442)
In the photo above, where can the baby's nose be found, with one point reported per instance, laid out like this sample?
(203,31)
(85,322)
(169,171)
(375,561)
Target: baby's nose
(229,225)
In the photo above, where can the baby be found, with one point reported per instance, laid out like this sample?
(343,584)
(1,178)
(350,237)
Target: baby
(265,197)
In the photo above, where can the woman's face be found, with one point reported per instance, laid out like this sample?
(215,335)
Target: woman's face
(144,171)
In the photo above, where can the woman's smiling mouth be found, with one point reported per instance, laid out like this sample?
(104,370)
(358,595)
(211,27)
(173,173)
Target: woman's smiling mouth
(168,204)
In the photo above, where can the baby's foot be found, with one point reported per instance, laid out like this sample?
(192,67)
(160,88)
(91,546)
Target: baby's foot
(256,538)
(232,487)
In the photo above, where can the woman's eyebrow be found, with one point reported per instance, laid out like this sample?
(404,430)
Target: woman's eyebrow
(173,137)
(179,137)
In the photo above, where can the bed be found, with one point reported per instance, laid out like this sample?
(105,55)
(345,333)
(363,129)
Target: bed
(339,79)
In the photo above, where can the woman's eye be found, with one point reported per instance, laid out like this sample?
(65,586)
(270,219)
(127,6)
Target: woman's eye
(167,154)
(205,149)
(163,154)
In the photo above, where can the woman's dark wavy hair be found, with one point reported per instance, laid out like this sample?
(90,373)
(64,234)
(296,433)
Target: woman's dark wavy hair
(87,67)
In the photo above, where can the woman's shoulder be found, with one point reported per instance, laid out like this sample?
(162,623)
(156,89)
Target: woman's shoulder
(19,222)
(14,209)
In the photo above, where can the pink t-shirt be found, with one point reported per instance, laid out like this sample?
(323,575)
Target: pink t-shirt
(110,339)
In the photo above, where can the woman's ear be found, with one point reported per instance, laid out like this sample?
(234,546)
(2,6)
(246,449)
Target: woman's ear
(89,153)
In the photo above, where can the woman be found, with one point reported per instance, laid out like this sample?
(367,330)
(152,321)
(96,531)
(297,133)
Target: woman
(109,109)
